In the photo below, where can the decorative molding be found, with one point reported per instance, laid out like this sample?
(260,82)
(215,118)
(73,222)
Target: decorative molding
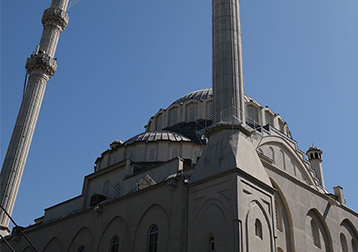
(41,62)
(55,17)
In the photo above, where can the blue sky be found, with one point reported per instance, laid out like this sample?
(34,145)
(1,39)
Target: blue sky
(120,61)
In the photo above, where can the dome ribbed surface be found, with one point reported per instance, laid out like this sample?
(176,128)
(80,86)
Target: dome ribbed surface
(153,136)
(207,93)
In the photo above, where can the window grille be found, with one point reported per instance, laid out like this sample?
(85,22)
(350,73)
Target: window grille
(117,191)
(159,122)
(114,247)
(131,154)
(173,117)
(268,118)
(282,160)
(315,234)
(272,154)
(281,126)
(152,154)
(278,214)
(153,239)
(344,246)
(174,152)
(196,155)
(210,111)
(252,115)
(113,159)
(106,188)
(191,113)
(293,168)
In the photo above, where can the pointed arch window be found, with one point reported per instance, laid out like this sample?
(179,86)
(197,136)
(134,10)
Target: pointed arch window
(343,240)
(152,154)
(196,155)
(113,159)
(315,234)
(152,245)
(173,117)
(268,118)
(258,228)
(252,116)
(354,246)
(131,154)
(159,122)
(293,168)
(106,188)
(278,213)
(174,152)
(114,246)
(117,191)
(211,244)
(81,249)
(282,160)
(210,111)
(191,113)
(271,154)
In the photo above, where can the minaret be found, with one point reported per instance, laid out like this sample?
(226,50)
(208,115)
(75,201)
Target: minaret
(41,66)
(228,84)
(314,155)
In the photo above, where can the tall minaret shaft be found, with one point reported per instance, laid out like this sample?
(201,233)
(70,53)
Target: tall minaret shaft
(41,66)
(228,84)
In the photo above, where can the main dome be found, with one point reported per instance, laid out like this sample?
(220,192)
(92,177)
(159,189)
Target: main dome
(198,106)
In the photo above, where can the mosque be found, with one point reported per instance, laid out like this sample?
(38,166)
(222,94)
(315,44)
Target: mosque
(214,171)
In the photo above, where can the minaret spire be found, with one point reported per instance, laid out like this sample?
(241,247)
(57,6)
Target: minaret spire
(41,66)
(228,84)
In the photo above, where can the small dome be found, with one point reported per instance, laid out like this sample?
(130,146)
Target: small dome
(314,148)
(153,136)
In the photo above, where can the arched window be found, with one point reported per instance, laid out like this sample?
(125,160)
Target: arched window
(258,228)
(196,155)
(173,117)
(315,234)
(271,154)
(106,188)
(282,160)
(252,116)
(316,155)
(210,111)
(159,122)
(281,126)
(113,159)
(117,191)
(131,154)
(278,213)
(211,244)
(293,168)
(81,249)
(191,113)
(153,239)
(354,246)
(152,154)
(114,246)
(344,246)
(311,155)
(174,152)
(268,118)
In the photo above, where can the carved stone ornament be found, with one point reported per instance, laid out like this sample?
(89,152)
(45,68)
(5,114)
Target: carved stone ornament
(41,62)
(55,17)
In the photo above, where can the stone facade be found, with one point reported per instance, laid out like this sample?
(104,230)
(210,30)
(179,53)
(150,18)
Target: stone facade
(195,181)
